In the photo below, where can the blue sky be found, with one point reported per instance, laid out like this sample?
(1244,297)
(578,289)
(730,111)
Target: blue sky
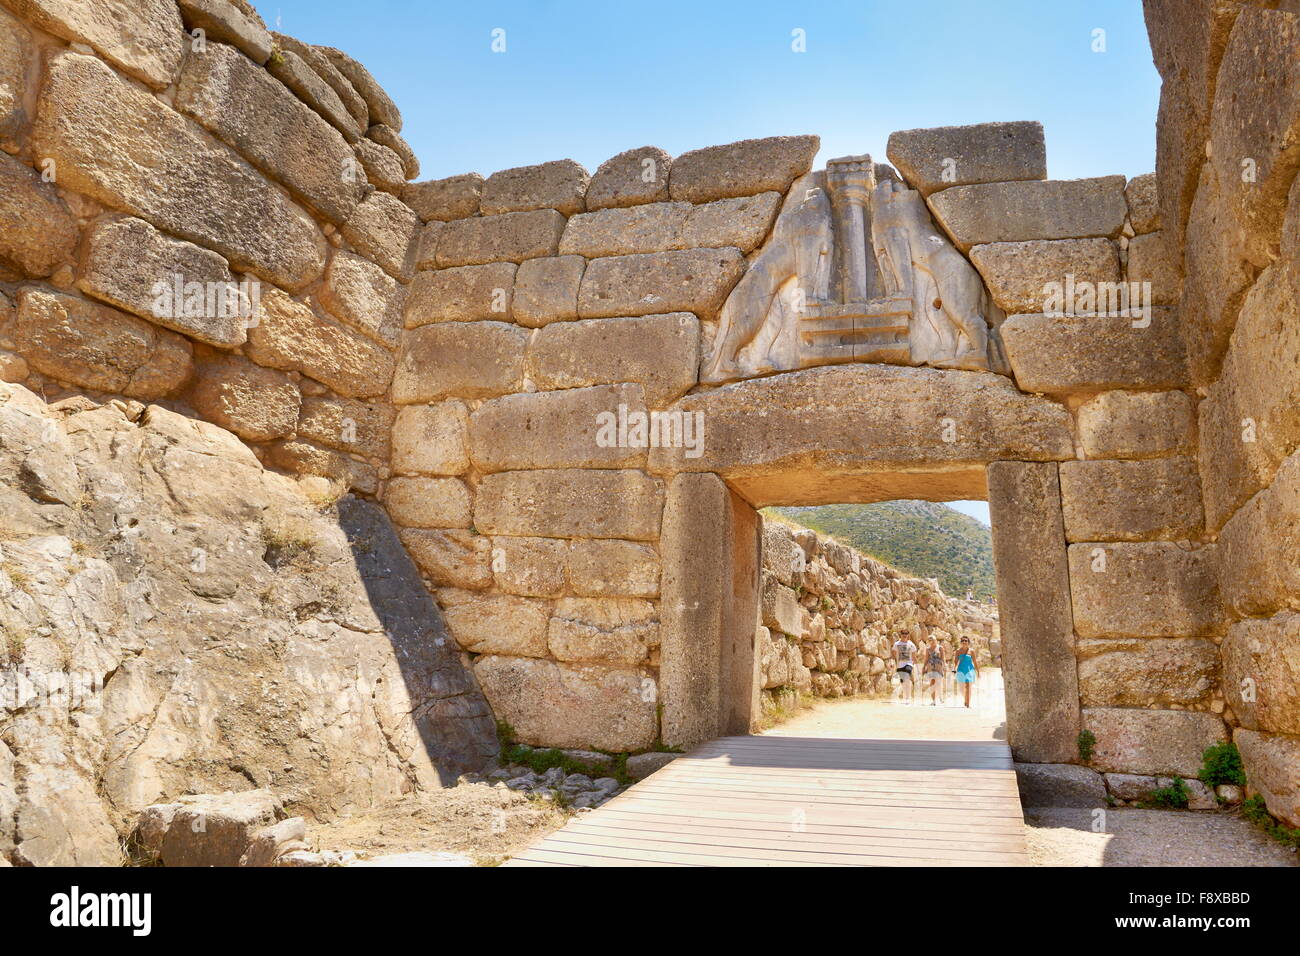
(587,80)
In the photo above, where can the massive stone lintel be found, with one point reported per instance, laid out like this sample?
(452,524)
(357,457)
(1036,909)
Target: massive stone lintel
(906,432)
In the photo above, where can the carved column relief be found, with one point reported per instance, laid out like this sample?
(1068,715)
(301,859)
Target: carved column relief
(855,271)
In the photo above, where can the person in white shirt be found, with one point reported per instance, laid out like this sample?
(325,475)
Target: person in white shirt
(905,665)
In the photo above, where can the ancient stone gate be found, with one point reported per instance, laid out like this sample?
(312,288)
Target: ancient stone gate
(572,391)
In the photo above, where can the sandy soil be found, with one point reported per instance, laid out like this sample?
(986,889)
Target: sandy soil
(1055,837)
(483,823)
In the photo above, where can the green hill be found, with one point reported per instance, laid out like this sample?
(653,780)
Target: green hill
(922,538)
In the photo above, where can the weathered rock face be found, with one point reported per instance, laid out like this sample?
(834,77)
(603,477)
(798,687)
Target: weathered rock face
(215,628)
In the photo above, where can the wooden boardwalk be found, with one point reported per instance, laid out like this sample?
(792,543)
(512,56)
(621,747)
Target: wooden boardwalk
(806,801)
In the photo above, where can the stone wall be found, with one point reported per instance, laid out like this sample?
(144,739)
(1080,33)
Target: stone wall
(160,158)
(1228,151)
(830,616)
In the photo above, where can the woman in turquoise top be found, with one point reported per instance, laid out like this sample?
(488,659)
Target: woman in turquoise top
(967,669)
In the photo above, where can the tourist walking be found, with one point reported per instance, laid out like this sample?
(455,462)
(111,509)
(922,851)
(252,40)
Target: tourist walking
(967,668)
(904,664)
(936,664)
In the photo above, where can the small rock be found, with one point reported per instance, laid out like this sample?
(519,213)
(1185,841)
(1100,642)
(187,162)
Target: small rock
(606,784)
(1228,793)
(577,780)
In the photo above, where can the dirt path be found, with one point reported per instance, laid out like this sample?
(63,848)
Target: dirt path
(1055,837)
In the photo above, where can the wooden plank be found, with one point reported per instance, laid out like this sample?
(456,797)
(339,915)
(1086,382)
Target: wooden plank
(800,801)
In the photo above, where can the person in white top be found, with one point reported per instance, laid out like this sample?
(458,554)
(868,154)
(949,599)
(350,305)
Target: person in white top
(905,665)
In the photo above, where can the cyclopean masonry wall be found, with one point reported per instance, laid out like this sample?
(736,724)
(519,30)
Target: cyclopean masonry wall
(1228,212)
(236,629)
(830,616)
(862,333)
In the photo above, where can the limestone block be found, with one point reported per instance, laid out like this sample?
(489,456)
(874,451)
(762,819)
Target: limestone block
(1151,741)
(364,296)
(1148,589)
(533,567)
(546,290)
(741,169)
(307,458)
(1034,276)
(1272,763)
(573,428)
(95,126)
(509,237)
(230,23)
(346,425)
(1063,355)
(613,630)
(16,52)
(426,254)
(327,71)
(290,336)
(743,223)
(462,294)
(571,705)
(207,829)
(1255,125)
(1033,586)
(692,280)
(640,766)
(309,86)
(560,185)
(1131,500)
(243,105)
(255,403)
(1216,276)
(431,439)
(451,558)
(388,137)
(78,341)
(661,352)
(1131,786)
(610,568)
(441,200)
(1261,672)
(570,503)
(1143,204)
(1147,672)
(459,359)
(632,177)
(780,609)
(428,502)
(1259,573)
(815,421)
(143,38)
(37,231)
(1059,785)
(385,231)
(1250,419)
(652,227)
(1020,211)
(1123,424)
(1151,260)
(495,623)
(383,167)
(380,104)
(124,261)
(696,581)
(944,156)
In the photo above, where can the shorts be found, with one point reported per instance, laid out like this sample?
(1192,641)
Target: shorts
(934,675)
(905,671)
